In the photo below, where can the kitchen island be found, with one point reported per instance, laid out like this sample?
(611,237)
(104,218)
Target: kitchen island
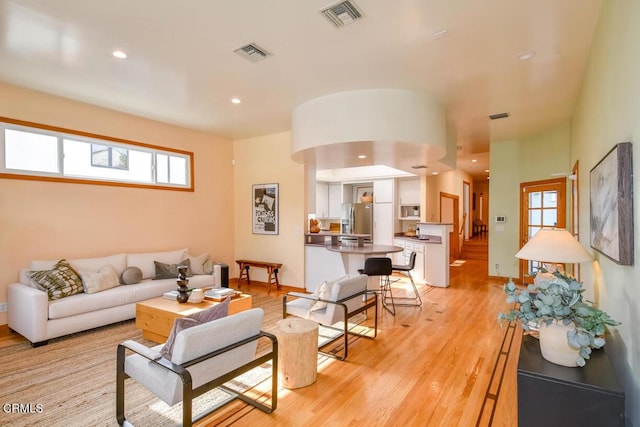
(432,253)
(325,260)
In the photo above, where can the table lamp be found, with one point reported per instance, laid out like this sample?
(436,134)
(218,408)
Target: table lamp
(554,245)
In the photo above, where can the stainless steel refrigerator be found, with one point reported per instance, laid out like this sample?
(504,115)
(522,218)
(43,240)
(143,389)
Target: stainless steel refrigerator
(357,218)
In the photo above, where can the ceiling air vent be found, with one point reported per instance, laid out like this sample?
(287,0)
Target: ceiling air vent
(252,52)
(419,167)
(499,116)
(342,13)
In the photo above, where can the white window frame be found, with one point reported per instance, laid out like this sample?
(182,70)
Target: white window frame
(62,133)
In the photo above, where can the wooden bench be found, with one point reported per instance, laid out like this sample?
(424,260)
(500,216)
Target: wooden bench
(271,267)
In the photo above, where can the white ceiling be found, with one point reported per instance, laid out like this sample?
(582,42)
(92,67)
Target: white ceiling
(182,70)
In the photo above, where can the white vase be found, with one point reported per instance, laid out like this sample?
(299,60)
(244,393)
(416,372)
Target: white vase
(197,295)
(554,345)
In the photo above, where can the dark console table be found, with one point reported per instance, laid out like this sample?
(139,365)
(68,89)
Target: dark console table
(553,395)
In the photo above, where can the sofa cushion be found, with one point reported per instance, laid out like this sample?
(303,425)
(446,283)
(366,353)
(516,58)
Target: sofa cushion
(144,261)
(217,311)
(118,262)
(103,279)
(198,263)
(131,276)
(170,271)
(120,295)
(59,282)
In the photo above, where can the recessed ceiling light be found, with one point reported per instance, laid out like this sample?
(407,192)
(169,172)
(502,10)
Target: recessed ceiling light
(236,100)
(474,161)
(526,55)
(362,156)
(434,173)
(119,54)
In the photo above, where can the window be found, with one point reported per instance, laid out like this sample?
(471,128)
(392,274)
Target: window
(109,157)
(32,151)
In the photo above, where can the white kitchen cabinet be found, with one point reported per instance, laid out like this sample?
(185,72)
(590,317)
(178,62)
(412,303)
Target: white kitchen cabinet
(419,273)
(322,200)
(383,223)
(398,257)
(328,200)
(383,191)
(409,191)
(335,200)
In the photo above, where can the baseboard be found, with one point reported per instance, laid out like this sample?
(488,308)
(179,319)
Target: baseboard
(506,279)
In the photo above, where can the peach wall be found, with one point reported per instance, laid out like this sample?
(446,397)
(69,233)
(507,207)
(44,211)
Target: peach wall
(265,160)
(447,182)
(46,220)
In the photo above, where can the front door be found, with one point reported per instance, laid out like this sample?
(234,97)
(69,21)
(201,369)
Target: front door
(542,205)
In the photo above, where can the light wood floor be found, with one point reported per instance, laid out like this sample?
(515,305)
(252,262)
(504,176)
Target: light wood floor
(445,364)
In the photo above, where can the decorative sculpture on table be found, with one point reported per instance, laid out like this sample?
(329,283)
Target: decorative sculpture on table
(183,290)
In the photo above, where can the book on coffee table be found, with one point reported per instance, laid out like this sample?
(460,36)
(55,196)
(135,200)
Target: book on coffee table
(219,294)
(173,294)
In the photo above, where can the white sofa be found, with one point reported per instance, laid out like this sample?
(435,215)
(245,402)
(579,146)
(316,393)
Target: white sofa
(39,319)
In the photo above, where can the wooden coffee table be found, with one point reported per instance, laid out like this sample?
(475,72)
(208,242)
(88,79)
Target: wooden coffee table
(155,316)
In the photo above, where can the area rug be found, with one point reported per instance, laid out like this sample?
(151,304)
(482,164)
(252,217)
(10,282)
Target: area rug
(71,381)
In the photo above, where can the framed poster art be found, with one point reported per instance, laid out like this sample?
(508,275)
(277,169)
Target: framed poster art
(265,208)
(611,203)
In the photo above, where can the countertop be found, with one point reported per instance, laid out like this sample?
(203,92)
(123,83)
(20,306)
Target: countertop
(367,249)
(338,234)
(430,239)
(320,238)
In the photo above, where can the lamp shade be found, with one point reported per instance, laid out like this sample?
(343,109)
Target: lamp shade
(554,245)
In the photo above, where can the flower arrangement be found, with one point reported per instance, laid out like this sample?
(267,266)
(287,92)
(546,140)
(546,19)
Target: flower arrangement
(558,297)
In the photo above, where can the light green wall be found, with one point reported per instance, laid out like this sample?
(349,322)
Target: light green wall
(513,162)
(504,188)
(608,112)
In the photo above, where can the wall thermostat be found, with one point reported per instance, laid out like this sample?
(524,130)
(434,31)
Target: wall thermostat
(501,219)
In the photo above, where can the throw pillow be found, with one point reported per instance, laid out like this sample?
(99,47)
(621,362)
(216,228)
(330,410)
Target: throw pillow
(131,276)
(103,279)
(170,271)
(323,292)
(197,263)
(59,282)
(217,311)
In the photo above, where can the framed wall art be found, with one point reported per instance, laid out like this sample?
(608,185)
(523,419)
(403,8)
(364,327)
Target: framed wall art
(611,203)
(265,208)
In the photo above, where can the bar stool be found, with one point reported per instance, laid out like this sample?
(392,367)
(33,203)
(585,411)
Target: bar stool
(379,266)
(407,270)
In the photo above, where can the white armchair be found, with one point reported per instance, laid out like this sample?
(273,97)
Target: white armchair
(204,357)
(346,298)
